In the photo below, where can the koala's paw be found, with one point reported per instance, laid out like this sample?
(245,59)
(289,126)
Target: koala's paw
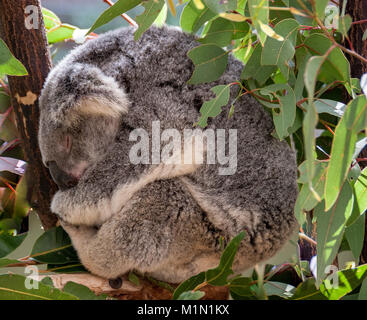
(59,204)
(80,231)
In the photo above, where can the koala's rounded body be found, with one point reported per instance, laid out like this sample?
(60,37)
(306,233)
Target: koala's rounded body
(163,219)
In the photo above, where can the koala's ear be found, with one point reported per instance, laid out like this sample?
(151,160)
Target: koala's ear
(82,89)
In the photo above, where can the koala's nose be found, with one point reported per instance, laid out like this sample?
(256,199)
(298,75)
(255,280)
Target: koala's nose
(62,179)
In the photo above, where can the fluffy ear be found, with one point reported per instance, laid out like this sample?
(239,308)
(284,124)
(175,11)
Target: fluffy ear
(95,107)
(81,89)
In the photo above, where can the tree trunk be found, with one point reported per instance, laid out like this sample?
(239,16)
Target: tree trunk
(357,9)
(29,45)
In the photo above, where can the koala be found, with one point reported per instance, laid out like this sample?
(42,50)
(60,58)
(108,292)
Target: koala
(165,219)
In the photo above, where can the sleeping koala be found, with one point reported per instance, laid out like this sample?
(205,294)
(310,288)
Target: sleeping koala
(126,210)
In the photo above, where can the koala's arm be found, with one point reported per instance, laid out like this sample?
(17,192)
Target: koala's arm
(138,237)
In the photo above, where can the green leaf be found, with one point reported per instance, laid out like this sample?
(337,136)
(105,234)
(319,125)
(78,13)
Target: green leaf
(253,68)
(82,292)
(191,295)
(54,247)
(9,64)
(348,280)
(120,7)
(210,62)
(354,234)
(320,8)
(283,290)
(162,17)
(259,11)
(66,268)
(308,291)
(221,6)
(47,281)
(310,120)
(189,284)
(241,288)
(334,108)
(60,33)
(9,243)
(193,18)
(335,66)
(278,53)
(9,224)
(330,229)
(222,32)
(6,262)
(134,278)
(12,287)
(363,291)
(284,113)
(213,107)
(306,200)
(152,8)
(360,189)
(353,121)
(345,22)
(218,276)
(50,19)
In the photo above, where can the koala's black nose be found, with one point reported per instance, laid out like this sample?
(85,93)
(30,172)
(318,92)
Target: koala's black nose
(62,179)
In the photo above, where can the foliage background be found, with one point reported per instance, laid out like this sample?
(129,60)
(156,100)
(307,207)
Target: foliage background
(295,65)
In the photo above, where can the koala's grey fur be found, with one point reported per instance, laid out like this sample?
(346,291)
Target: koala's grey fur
(166,221)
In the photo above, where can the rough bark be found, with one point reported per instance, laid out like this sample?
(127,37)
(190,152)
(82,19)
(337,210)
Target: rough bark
(145,290)
(30,47)
(357,9)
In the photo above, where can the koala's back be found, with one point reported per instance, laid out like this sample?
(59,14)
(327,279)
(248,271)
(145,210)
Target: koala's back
(259,197)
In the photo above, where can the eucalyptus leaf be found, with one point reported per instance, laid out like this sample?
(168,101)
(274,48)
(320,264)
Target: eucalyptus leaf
(213,107)
(189,284)
(221,6)
(210,62)
(259,11)
(353,121)
(120,7)
(277,52)
(82,292)
(9,243)
(192,18)
(191,295)
(9,64)
(348,280)
(218,276)
(354,234)
(54,247)
(330,229)
(152,9)
(12,287)
(221,32)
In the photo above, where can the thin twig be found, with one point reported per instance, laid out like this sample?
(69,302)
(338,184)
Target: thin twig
(307,238)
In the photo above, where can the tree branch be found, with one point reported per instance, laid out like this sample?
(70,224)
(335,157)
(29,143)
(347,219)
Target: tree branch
(31,48)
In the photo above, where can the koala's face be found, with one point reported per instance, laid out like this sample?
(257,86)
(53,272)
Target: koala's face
(80,114)
(63,153)
(69,149)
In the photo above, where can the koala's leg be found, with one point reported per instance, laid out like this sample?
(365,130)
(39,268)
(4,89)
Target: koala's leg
(144,235)
(119,245)
(161,231)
